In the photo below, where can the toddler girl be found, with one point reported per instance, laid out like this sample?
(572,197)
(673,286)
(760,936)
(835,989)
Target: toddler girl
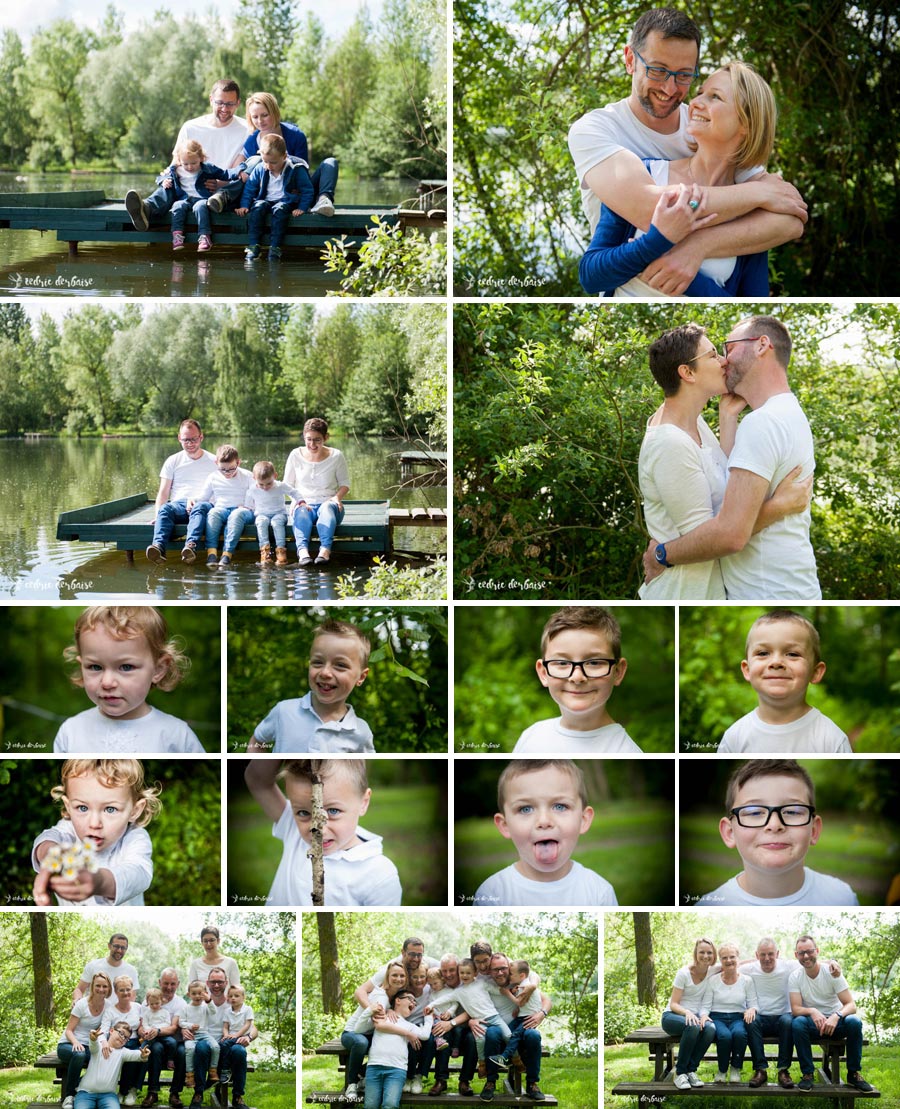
(124,652)
(106,807)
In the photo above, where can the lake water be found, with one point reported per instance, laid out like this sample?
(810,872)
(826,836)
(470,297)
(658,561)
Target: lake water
(39,478)
(35,263)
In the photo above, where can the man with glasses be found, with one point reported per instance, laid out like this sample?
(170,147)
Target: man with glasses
(220,132)
(773,441)
(112,965)
(607,145)
(181,479)
(823,1008)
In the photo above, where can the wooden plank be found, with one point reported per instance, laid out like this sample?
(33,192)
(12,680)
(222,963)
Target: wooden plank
(83,198)
(663,1090)
(336,1097)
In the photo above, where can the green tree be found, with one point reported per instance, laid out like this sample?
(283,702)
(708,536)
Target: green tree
(15,129)
(83,351)
(58,54)
(241,360)
(268,27)
(425,328)
(372,400)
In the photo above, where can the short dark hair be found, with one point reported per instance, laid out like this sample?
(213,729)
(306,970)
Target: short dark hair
(673,349)
(671,24)
(777,334)
(410,940)
(402,993)
(480,947)
(226,84)
(118,936)
(767,768)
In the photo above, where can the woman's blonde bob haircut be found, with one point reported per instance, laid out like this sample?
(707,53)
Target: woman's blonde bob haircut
(755,106)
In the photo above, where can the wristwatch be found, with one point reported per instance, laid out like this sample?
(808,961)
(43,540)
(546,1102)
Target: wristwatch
(661,555)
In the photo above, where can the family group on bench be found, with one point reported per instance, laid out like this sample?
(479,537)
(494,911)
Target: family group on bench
(719,999)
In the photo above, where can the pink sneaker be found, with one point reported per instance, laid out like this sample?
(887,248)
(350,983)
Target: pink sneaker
(204,243)
(178,240)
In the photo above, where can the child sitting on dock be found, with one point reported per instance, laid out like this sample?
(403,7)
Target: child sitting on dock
(107,807)
(124,652)
(181,190)
(219,505)
(322,722)
(265,499)
(278,187)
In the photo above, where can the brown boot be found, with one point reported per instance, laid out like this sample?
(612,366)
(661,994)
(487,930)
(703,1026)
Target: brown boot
(784,1080)
(213,1074)
(281,556)
(760,1078)
(189,1079)
(265,554)
(438,1088)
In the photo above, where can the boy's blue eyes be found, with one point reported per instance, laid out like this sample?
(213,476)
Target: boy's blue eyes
(527,810)
(305,814)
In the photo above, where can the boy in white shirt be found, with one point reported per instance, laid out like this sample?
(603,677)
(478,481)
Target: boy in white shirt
(97,1089)
(238,1017)
(199,1013)
(265,499)
(543,810)
(783,661)
(525,992)
(474,995)
(225,491)
(580,665)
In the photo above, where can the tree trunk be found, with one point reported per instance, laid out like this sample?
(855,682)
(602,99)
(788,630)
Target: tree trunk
(329,963)
(44,1012)
(646,964)
(317,831)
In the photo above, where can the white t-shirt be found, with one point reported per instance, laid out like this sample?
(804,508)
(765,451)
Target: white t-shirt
(202,1015)
(269,502)
(187,475)
(237,1019)
(316,481)
(813,732)
(360,875)
(721,997)
(532,1004)
(188,181)
(778,562)
(549,737)
(91,732)
(87,1021)
(112,1014)
(817,889)
(361,1019)
(579,887)
(820,992)
(220,144)
(772,988)
(295,726)
(177,1007)
(691,991)
(389,1048)
(682,485)
(155,1018)
(444,1001)
(103,966)
(102,1075)
(130,860)
(605,131)
(227,492)
(200,971)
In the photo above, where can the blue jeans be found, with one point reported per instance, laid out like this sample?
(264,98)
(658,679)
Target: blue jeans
(731,1039)
(170,514)
(196,523)
(326,518)
(357,1044)
(460,1037)
(771,1024)
(384,1087)
(159,202)
(693,1040)
(498,1025)
(77,1062)
(161,1049)
(279,217)
(849,1028)
(85,1100)
(199,209)
(234,1056)
(278,522)
(232,519)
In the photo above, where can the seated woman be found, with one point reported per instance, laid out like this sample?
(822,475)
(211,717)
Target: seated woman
(86,1016)
(360,1027)
(729,1001)
(319,473)
(682,1016)
(732,121)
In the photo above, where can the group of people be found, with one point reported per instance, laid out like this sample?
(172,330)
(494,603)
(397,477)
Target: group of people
(118,1036)
(212,493)
(677,195)
(485,1009)
(259,168)
(719,998)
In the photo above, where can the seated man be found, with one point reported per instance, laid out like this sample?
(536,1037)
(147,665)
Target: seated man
(233,1056)
(181,479)
(167,1045)
(530,1045)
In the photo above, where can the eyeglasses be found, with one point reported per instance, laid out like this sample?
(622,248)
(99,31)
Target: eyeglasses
(228,469)
(590,667)
(193,439)
(712,350)
(758,816)
(730,342)
(225,104)
(661,74)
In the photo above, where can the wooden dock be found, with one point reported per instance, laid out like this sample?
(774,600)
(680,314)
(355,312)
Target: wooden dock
(88,216)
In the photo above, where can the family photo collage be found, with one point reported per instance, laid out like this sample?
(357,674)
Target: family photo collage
(494,405)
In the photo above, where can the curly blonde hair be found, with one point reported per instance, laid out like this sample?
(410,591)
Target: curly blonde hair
(114,773)
(133,622)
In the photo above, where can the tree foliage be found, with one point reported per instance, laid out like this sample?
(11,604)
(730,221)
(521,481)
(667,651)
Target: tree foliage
(549,501)
(525,71)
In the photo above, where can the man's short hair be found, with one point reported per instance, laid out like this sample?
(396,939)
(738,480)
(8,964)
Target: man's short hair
(118,936)
(190,423)
(777,334)
(767,768)
(578,617)
(409,941)
(671,24)
(806,938)
(785,615)
(767,940)
(480,947)
(673,349)
(226,84)
(517,767)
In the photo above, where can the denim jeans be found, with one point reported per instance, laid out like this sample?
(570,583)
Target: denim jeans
(324,181)
(849,1028)
(234,1057)
(77,1061)
(85,1100)
(279,217)
(731,1038)
(495,1024)
(198,209)
(196,524)
(159,202)
(170,514)
(326,518)
(384,1087)
(771,1024)
(278,522)
(232,519)
(161,1049)
(357,1044)
(693,1040)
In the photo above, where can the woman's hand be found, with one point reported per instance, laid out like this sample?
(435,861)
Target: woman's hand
(674,215)
(690,1018)
(78,1046)
(792,494)
(731,405)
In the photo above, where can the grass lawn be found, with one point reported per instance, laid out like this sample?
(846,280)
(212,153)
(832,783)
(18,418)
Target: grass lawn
(19,1086)
(630,1063)
(415,840)
(863,855)
(631,844)
(572,1080)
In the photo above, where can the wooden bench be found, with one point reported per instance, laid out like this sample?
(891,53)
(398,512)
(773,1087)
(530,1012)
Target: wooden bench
(661,1051)
(509,1093)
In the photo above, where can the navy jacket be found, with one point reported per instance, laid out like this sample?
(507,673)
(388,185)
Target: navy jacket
(298,186)
(208,172)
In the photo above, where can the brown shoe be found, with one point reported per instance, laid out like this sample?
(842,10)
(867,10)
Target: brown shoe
(152,1098)
(189,1079)
(213,1074)
(784,1080)
(438,1088)
(482,1070)
(239,1103)
(281,556)
(175,1101)
(265,555)
(760,1078)
(465,1089)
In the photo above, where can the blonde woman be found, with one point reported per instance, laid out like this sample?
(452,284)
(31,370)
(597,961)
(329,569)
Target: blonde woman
(682,1018)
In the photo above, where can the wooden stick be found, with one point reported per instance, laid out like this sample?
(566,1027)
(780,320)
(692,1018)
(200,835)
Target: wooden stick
(317,833)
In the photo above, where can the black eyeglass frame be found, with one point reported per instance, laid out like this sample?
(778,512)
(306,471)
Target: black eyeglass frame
(811,812)
(573,666)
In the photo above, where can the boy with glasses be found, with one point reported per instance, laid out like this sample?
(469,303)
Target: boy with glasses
(772,822)
(580,665)
(220,504)
(181,478)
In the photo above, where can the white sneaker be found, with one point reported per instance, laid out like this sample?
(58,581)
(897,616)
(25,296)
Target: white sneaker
(721,1076)
(734,1075)
(682,1081)
(407,1086)
(695,1079)
(324,206)
(68,1103)
(416,1086)
(130,1097)
(351,1091)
